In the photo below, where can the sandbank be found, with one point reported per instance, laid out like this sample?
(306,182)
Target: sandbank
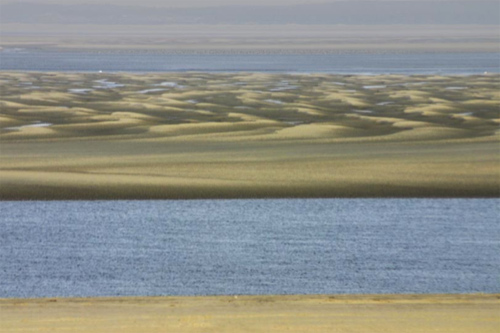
(325,313)
(250,39)
(247,135)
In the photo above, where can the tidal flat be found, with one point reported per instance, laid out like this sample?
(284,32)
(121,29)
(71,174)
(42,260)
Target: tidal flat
(247,135)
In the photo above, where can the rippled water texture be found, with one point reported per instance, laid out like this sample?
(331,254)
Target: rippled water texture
(204,247)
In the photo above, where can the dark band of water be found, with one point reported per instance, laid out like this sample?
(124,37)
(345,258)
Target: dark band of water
(416,63)
(206,247)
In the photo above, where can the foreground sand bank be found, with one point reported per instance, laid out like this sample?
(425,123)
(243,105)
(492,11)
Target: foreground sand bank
(382,313)
(243,135)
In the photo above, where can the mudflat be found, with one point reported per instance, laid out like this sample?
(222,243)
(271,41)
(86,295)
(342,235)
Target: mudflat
(325,313)
(247,135)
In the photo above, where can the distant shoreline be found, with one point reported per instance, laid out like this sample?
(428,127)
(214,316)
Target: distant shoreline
(245,39)
(375,49)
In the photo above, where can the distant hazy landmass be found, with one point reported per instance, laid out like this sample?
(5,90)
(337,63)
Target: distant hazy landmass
(342,12)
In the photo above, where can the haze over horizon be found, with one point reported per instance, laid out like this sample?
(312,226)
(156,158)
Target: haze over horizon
(211,3)
(357,12)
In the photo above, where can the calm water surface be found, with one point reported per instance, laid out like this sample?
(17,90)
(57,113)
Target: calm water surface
(204,247)
(416,63)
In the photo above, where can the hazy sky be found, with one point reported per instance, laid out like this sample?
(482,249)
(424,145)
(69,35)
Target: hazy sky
(177,3)
(190,3)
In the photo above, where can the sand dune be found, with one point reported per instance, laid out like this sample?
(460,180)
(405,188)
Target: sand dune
(234,136)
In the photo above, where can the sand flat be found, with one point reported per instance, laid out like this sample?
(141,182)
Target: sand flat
(251,38)
(325,313)
(234,143)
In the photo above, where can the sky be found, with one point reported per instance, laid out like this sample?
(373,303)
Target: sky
(190,3)
(316,12)
(177,3)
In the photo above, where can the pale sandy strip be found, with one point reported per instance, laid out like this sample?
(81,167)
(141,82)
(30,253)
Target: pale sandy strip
(347,313)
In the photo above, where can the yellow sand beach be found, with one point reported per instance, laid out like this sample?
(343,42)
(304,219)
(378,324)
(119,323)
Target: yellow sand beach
(325,313)
(244,135)
(198,135)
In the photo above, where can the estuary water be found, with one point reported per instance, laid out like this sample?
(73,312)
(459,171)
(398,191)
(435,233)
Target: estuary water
(342,63)
(212,247)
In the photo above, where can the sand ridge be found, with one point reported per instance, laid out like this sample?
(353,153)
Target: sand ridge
(247,135)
